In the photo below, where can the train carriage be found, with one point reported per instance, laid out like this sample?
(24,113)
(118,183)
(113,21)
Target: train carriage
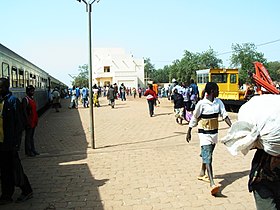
(22,73)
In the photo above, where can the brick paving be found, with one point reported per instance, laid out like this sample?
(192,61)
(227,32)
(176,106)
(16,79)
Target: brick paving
(140,163)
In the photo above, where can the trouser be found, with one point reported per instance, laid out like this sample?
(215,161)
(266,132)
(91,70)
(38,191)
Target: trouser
(112,102)
(151,104)
(266,203)
(85,102)
(123,96)
(29,141)
(73,103)
(10,167)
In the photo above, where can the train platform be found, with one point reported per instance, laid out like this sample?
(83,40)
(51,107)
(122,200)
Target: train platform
(140,162)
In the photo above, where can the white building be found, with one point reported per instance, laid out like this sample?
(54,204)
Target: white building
(113,65)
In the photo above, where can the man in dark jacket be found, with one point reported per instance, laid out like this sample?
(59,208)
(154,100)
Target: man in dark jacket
(10,134)
(178,101)
(111,95)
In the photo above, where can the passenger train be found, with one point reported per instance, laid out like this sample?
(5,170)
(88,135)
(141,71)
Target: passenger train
(22,73)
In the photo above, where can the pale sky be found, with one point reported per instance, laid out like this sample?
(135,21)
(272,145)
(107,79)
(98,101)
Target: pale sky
(53,34)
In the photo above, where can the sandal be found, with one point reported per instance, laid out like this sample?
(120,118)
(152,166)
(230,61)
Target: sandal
(215,189)
(204,178)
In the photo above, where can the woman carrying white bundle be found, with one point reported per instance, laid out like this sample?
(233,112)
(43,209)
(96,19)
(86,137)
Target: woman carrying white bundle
(261,131)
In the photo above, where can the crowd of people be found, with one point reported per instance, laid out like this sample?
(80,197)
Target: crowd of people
(201,110)
(111,91)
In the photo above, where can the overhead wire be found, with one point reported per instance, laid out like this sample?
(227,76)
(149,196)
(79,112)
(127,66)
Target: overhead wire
(223,53)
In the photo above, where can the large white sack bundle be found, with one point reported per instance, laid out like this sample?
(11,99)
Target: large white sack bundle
(258,126)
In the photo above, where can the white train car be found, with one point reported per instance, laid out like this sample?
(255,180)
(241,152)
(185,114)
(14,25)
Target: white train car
(22,73)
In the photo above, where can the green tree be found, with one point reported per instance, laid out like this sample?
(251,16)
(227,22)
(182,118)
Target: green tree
(161,75)
(185,69)
(208,59)
(274,70)
(243,57)
(149,69)
(82,78)
(187,66)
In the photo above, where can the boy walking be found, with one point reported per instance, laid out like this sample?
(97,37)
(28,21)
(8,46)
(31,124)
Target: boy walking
(205,116)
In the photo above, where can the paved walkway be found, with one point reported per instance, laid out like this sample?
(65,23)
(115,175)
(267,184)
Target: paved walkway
(141,163)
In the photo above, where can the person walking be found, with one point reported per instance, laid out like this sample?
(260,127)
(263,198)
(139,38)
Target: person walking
(56,99)
(78,94)
(151,97)
(139,92)
(85,93)
(73,103)
(178,101)
(122,92)
(134,92)
(111,95)
(30,120)
(260,132)
(11,127)
(95,96)
(205,116)
(188,108)
(194,92)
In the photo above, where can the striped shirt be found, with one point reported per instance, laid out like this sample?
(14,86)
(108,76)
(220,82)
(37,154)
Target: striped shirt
(205,116)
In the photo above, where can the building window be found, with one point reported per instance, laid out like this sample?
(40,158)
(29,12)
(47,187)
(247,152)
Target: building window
(106,68)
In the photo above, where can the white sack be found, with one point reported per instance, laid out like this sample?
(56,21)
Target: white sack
(258,125)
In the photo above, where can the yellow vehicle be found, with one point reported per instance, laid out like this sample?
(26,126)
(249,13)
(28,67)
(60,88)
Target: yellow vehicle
(227,80)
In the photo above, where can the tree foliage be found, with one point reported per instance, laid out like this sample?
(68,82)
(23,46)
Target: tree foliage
(274,70)
(161,75)
(185,69)
(82,79)
(243,57)
(149,69)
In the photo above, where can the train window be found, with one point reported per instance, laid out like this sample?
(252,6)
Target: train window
(5,70)
(205,78)
(14,76)
(32,80)
(219,78)
(199,78)
(39,81)
(21,77)
(202,78)
(43,81)
(26,78)
(233,78)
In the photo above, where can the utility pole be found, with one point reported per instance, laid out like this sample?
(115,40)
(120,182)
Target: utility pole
(89,9)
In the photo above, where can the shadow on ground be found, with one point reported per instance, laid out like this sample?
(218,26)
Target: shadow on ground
(60,176)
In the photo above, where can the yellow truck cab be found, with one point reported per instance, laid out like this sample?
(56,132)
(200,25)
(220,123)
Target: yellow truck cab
(227,80)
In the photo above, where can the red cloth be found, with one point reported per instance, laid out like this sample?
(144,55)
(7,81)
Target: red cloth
(32,115)
(150,92)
